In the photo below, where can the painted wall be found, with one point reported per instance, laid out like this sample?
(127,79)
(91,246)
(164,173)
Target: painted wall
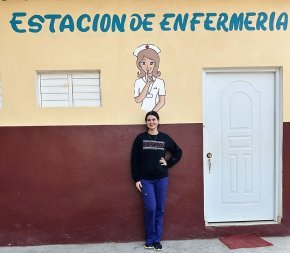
(63,188)
(65,172)
(184,54)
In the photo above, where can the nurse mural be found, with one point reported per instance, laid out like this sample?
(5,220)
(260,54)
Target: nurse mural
(149,90)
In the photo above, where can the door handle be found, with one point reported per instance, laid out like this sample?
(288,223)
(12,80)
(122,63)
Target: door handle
(209,156)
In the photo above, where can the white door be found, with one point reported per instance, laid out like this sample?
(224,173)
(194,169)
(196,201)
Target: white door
(239,133)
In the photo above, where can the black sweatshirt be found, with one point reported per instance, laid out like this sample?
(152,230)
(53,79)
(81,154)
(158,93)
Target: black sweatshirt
(147,151)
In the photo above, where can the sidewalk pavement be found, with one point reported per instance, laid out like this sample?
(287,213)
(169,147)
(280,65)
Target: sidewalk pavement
(280,245)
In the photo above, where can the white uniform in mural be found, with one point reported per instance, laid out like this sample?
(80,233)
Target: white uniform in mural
(149,90)
(156,89)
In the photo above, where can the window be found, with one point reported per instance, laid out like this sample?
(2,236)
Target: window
(69,89)
(0,94)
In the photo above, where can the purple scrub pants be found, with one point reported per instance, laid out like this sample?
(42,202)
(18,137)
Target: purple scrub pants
(154,195)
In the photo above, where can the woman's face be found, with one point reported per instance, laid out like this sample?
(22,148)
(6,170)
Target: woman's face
(152,122)
(147,65)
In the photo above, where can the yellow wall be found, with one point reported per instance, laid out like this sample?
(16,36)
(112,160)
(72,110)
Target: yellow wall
(183,57)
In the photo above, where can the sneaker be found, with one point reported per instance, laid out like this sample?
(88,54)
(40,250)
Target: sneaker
(148,246)
(157,246)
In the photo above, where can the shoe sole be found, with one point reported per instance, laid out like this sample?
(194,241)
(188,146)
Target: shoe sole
(145,247)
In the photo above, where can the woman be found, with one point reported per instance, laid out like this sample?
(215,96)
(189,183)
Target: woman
(149,89)
(150,173)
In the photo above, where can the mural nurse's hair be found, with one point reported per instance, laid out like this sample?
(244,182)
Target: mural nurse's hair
(153,113)
(150,54)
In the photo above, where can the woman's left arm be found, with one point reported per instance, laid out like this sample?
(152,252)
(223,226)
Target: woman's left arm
(176,154)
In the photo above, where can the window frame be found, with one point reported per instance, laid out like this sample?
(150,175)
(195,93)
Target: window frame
(71,77)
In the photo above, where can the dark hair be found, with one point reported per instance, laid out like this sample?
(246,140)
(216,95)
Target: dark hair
(153,113)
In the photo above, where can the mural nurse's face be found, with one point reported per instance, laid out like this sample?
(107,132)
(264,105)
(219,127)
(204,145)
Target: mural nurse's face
(147,65)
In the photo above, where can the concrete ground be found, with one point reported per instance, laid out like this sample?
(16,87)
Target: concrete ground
(280,245)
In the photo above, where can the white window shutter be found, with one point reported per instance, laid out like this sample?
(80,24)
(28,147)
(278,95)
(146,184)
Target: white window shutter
(75,89)
(86,89)
(54,90)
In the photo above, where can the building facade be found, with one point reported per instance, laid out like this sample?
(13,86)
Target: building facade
(69,113)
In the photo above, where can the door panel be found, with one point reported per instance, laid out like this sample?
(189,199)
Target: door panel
(239,132)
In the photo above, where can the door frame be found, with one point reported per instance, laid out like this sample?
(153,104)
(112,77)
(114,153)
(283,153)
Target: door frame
(278,101)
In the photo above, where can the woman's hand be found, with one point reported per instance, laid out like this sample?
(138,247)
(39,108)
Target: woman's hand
(163,162)
(139,186)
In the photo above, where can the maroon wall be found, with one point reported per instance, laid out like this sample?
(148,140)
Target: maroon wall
(73,185)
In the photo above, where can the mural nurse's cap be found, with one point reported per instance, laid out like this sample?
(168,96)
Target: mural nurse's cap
(146,46)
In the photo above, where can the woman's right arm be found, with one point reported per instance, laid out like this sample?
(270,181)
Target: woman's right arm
(139,186)
(135,160)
